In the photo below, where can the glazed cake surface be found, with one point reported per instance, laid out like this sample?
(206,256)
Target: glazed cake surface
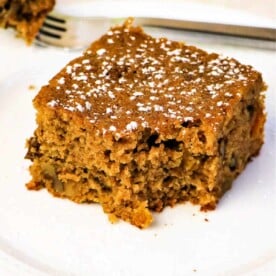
(26,16)
(138,123)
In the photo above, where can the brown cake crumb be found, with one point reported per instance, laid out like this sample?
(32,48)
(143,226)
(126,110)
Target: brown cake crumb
(139,123)
(31,87)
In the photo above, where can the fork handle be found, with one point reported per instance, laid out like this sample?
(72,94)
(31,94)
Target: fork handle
(255,32)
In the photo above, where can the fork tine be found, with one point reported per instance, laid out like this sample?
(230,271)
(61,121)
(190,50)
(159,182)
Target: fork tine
(44,32)
(55,19)
(38,42)
(45,38)
(51,30)
(69,32)
(54,27)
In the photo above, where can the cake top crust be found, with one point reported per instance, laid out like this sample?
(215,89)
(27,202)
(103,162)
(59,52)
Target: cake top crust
(128,80)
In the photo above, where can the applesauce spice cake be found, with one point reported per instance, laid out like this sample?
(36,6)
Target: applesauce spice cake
(139,123)
(26,16)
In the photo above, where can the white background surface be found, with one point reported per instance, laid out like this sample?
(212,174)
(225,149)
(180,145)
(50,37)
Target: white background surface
(40,234)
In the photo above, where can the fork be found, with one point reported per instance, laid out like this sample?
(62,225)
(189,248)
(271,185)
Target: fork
(74,32)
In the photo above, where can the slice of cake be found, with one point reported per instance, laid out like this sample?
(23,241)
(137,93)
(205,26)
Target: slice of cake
(139,123)
(26,16)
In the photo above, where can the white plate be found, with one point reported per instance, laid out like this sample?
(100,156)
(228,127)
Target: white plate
(40,234)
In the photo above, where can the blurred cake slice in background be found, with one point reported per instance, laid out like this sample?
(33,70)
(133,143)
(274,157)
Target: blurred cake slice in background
(25,16)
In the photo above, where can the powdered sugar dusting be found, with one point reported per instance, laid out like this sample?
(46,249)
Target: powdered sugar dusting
(101,52)
(52,103)
(148,82)
(131,126)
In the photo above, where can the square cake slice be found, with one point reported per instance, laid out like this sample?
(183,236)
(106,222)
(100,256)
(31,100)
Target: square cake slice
(139,123)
